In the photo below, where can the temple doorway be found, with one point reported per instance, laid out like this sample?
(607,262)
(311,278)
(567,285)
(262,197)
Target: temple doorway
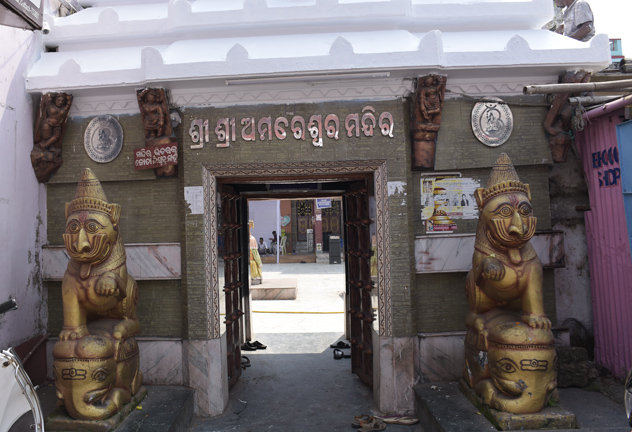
(295,291)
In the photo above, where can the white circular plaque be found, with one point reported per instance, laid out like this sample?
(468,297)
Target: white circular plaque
(103,139)
(492,122)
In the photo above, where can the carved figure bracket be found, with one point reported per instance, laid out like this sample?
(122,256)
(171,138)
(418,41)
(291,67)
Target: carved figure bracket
(50,127)
(426,119)
(154,111)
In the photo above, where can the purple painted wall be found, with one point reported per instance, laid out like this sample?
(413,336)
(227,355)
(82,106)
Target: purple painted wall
(608,245)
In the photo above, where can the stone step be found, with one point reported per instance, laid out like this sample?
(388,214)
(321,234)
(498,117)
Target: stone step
(165,409)
(442,407)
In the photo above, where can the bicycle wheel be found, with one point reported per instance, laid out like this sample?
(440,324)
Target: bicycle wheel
(18,396)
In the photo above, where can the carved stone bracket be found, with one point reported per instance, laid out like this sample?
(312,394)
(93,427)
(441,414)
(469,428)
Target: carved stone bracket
(426,119)
(154,112)
(49,134)
(558,120)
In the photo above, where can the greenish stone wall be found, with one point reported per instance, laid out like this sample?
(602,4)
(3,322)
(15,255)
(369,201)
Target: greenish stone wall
(441,304)
(395,151)
(458,147)
(160,310)
(151,212)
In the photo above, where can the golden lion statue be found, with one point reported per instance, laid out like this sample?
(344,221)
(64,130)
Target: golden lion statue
(96,360)
(96,283)
(510,358)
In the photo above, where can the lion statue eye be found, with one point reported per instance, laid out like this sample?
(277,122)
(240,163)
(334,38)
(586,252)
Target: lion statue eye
(92,227)
(505,211)
(73,227)
(525,210)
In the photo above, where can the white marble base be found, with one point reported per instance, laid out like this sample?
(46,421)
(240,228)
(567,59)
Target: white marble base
(393,374)
(205,370)
(440,356)
(453,252)
(161,361)
(148,261)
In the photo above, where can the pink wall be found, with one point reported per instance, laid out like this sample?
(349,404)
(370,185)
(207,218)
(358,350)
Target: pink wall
(608,245)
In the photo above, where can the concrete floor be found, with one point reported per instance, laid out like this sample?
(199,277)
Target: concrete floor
(296,384)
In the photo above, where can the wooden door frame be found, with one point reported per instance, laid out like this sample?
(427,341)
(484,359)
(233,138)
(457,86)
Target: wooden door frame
(312,171)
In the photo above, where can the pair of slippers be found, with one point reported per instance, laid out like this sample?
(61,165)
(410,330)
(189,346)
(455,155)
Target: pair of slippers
(338,354)
(398,419)
(366,423)
(340,345)
(245,362)
(253,346)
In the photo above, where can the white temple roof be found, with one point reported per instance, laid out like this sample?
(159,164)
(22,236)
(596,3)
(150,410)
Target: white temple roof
(211,44)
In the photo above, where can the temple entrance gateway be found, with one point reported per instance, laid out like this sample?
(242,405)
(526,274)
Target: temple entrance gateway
(233,255)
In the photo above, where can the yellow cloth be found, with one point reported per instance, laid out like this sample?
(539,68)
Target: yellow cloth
(255,264)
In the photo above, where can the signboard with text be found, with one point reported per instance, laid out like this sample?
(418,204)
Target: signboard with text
(156,156)
(316,128)
(322,203)
(22,13)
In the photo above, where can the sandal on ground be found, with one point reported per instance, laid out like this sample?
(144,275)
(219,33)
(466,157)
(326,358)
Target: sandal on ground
(247,346)
(361,420)
(338,354)
(398,419)
(340,344)
(374,425)
(245,362)
(258,345)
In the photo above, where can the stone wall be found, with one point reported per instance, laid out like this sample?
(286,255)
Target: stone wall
(151,211)
(441,303)
(291,152)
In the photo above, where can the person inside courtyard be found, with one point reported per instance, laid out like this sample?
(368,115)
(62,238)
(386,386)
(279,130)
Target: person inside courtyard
(578,20)
(263,247)
(273,242)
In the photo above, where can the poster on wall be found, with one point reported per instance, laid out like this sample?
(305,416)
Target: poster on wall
(444,199)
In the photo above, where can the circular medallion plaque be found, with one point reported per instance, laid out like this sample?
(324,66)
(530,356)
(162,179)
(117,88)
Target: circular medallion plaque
(492,122)
(103,139)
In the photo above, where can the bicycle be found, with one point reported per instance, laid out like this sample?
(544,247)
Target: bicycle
(18,395)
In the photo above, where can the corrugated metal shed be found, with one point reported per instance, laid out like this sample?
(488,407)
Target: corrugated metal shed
(608,246)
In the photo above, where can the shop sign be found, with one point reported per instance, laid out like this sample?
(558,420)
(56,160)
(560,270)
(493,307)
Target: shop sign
(314,128)
(607,164)
(156,156)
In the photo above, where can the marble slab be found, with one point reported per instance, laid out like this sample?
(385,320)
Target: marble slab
(147,261)
(440,356)
(275,289)
(161,361)
(453,252)
(393,373)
